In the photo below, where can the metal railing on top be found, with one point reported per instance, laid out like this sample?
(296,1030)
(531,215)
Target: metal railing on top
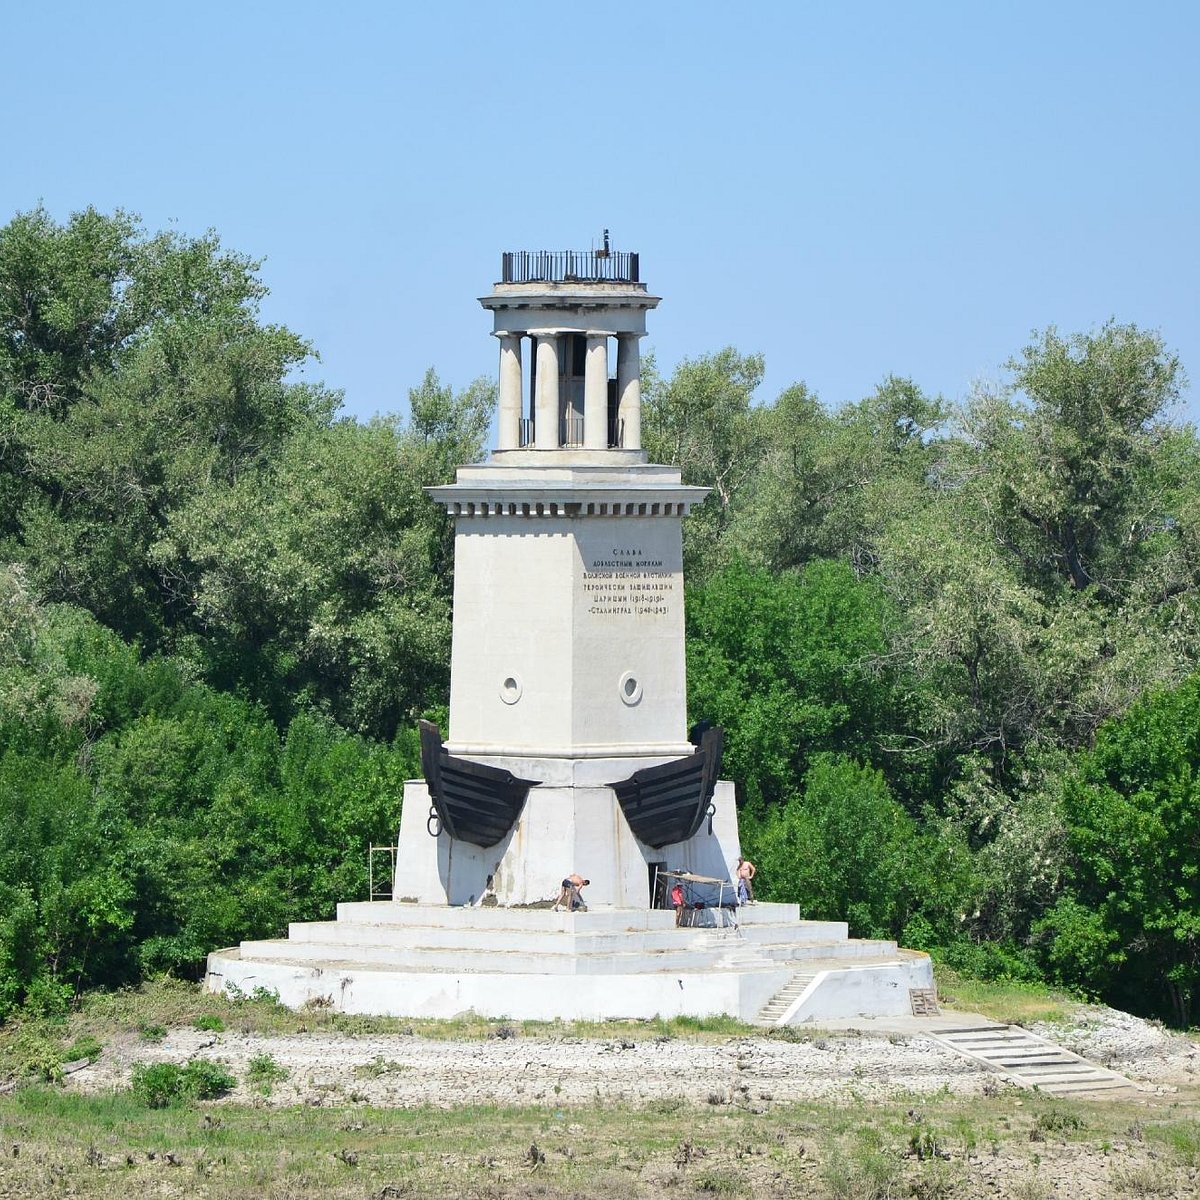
(571,431)
(568,266)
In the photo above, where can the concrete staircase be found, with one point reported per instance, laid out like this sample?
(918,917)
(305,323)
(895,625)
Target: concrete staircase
(426,960)
(1029,1061)
(778,1005)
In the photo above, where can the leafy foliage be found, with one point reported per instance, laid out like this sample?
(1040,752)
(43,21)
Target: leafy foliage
(790,665)
(173,820)
(1128,922)
(954,647)
(163,1085)
(844,849)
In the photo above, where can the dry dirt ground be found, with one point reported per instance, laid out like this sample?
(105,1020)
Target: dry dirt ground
(828,1115)
(404,1071)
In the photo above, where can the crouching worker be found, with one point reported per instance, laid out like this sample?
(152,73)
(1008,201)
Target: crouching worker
(571,896)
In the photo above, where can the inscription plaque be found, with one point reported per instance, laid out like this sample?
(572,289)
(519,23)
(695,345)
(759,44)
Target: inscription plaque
(628,582)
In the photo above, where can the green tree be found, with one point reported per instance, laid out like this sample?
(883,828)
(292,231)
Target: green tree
(789,666)
(325,575)
(1128,924)
(154,818)
(1047,568)
(134,373)
(844,849)
(704,420)
(830,484)
(1084,468)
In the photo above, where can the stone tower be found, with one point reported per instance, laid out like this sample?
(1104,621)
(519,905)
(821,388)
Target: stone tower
(568,666)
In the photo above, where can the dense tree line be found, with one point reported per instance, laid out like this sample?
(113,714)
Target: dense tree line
(221,608)
(954,647)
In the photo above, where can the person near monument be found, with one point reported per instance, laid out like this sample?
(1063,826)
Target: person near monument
(571,896)
(746,872)
(677,901)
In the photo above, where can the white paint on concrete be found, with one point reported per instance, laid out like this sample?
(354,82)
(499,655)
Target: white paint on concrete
(508,424)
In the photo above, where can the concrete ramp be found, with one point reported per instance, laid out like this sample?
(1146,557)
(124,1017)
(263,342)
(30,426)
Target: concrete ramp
(1029,1061)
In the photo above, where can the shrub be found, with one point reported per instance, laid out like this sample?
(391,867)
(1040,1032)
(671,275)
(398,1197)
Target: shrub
(989,961)
(84,1046)
(160,1085)
(157,1085)
(206,1080)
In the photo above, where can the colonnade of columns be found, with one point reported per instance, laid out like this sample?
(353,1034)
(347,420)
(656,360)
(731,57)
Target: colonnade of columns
(548,345)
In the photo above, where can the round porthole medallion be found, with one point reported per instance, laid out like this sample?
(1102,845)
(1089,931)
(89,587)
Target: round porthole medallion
(630,689)
(510,689)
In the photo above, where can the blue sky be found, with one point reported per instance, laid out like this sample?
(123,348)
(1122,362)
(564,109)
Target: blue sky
(851,189)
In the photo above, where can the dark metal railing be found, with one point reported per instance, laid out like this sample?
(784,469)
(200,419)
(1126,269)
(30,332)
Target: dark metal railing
(568,266)
(571,432)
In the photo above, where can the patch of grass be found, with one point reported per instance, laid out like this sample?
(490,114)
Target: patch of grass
(1181,1137)
(1030,1187)
(263,1073)
(715,1181)
(86,1045)
(1009,1001)
(1144,1179)
(114,1148)
(934,1181)
(378,1067)
(1059,1120)
(151,1031)
(169,1003)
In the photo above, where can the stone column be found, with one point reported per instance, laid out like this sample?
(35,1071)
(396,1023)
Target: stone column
(595,392)
(546,415)
(629,389)
(509,416)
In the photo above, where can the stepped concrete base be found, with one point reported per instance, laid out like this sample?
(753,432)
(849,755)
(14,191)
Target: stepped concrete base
(421,960)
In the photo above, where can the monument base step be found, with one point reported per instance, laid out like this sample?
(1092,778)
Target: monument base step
(394,959)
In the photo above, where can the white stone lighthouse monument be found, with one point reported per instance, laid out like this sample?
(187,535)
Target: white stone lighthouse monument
(568,660)
(568,748)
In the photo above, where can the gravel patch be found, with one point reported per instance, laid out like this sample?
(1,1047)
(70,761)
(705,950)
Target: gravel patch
(1145,1051)
(405,1071)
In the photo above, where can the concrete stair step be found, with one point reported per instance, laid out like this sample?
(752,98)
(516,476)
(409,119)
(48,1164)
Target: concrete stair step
(596,920)
(773,941)
(786,997)
(500,967)
(848,951)
(767,921)
(1028,1060)
(402,948)
(456,959)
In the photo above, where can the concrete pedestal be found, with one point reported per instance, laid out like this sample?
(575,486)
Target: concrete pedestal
(535,964)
